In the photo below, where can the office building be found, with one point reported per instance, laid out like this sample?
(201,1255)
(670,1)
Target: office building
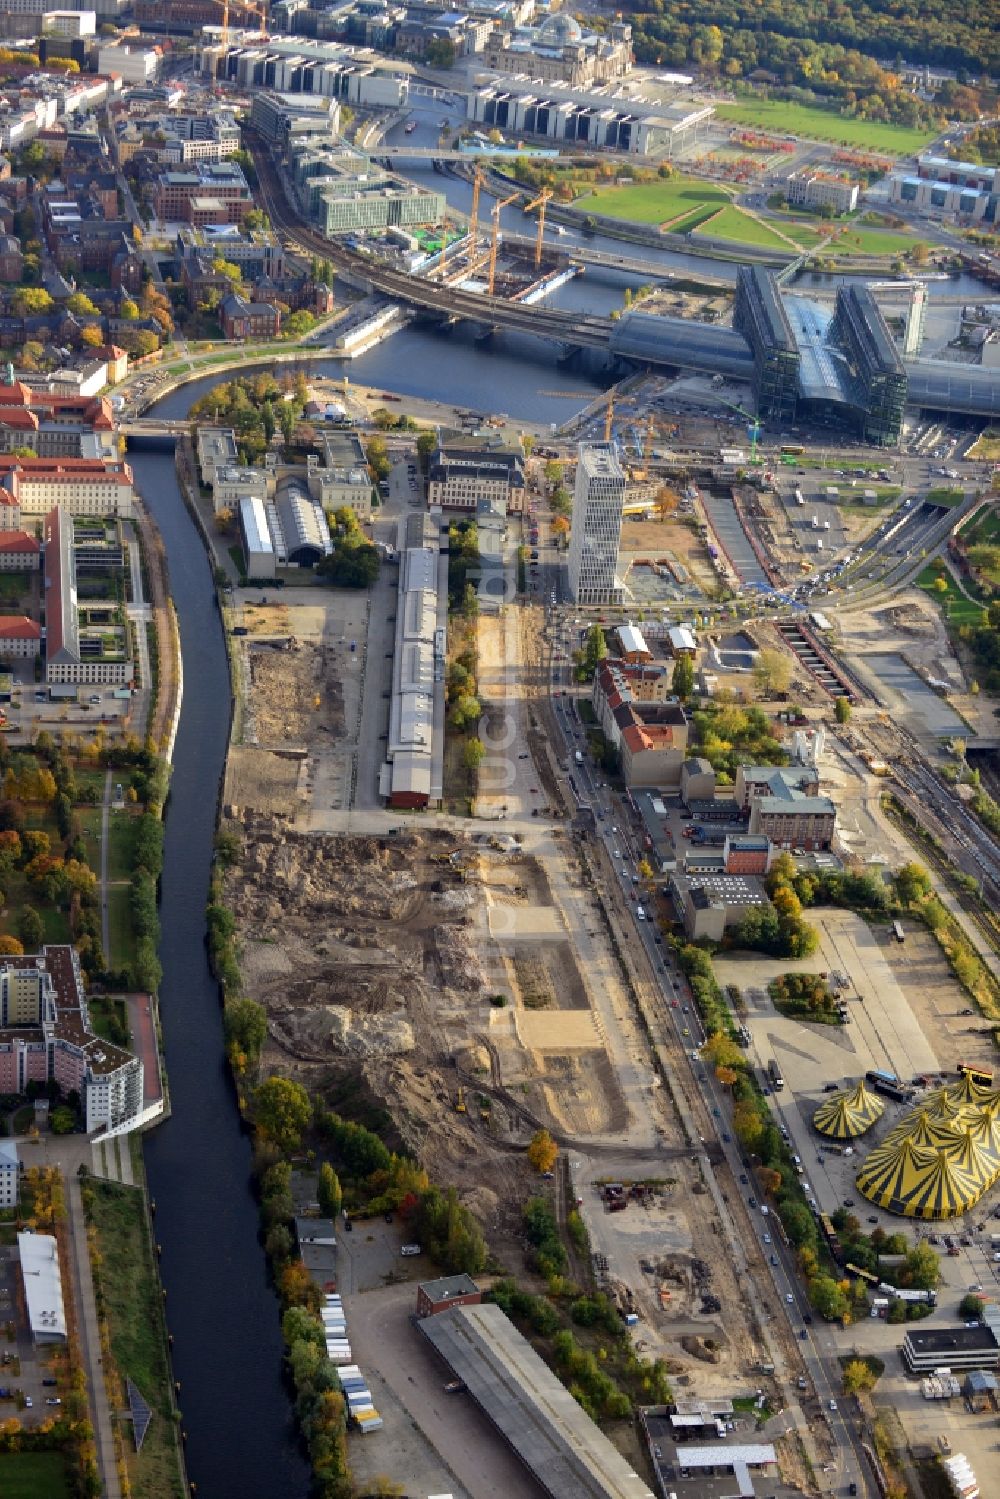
(20,638)
(341,476)
(78,486)
(592,116)
(823,190)
(19,552)
(283,118)
(598,504)
(467,471)
(91,656)
(875,375)
(759,314)
(960,189)
(296,65)
(952,1348)
(710,903)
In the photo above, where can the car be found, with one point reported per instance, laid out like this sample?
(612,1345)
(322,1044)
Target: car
(774,1259)
(789,1298)
(96,698)
(743,1177)
(873,1218)
(803,1334)
(726,1137)
(28,1401)
(50,1382)
(767,1238)
(852,1487)
(807,1317)
(833,1405)
(455,1387)
(53,1400)
(753,1202)
(674,1003)
(408,1250)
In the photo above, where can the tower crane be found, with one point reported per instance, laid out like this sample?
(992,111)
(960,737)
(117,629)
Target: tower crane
(495,239)
(478,178)
(539,203)
(258,10)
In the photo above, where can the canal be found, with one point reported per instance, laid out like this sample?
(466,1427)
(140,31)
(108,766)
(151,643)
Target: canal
(221,1308)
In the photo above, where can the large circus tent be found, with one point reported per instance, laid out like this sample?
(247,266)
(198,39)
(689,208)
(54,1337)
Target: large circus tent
(940,1160)
(846,1115)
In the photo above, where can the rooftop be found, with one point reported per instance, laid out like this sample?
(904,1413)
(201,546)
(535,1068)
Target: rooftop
(447,1286)
(39,1255)
(552,1435)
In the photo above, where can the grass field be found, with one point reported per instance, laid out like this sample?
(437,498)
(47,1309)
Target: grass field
(861,240)
(654,202)
(122,951)
(783,118)
(988,445)
(33,1475)
(732,223)
(958,610)
(984,530)
(949,498)
(130,1293)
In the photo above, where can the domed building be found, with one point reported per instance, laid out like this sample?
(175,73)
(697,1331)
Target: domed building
(560,51)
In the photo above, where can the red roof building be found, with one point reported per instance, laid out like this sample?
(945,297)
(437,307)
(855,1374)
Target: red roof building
(19,552)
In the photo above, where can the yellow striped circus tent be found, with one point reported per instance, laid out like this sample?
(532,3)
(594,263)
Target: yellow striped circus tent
(978,1164)
(917,1182)
(967,1090)
(845,1115)
(923,1129)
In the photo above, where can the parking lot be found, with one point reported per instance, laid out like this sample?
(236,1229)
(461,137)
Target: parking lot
(22,1366)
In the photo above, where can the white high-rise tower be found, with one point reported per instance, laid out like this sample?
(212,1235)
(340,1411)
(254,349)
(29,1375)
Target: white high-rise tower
(598,503)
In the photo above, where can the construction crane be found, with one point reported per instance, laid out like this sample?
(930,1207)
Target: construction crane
(478,178)
(503,203)
(258,10)
(753,428)
(539,203)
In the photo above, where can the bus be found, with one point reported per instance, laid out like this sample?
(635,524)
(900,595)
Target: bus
(889,1084)
(866,1275)
(774,1076)
(981,1075)
(792,449)
(897,931)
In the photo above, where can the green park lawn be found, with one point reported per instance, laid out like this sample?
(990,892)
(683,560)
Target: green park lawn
(732,223)
(33,1475)
(653,202)
(957,609)
(860,239)
(782,117)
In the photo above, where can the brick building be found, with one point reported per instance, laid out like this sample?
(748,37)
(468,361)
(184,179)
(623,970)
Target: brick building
(435,1296)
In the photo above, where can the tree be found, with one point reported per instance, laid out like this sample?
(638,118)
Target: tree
(473,753)
(595,648)
(426,443)
(971,1306)
(859,1377)
(246,1026)
(748,1126)
(31,301)
(921,1268)
(842,710)
(282,1112)
(560,527)
(440,53)
(62,1120)
(30,929)
(722,1051)
(129,309)
(91,336)
(328,1190)
(682,680)
(10,947)
(829,1298)
(80,304)
(542,1150)
(772,673)
(913,884)
(465,710)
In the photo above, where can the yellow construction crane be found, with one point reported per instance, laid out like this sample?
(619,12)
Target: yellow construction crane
(258,10)
(503,203)
(539,203)
(478,178)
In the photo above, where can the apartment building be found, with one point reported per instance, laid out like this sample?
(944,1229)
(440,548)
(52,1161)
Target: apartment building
(75,656)
(46,1035)
(10,1174)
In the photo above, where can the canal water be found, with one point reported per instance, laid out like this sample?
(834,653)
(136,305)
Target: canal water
(220,1306)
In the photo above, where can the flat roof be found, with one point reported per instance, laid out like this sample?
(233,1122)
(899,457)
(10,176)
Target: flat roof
(552,1435)
(42,1284)
(952,1340)
(449,1285)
